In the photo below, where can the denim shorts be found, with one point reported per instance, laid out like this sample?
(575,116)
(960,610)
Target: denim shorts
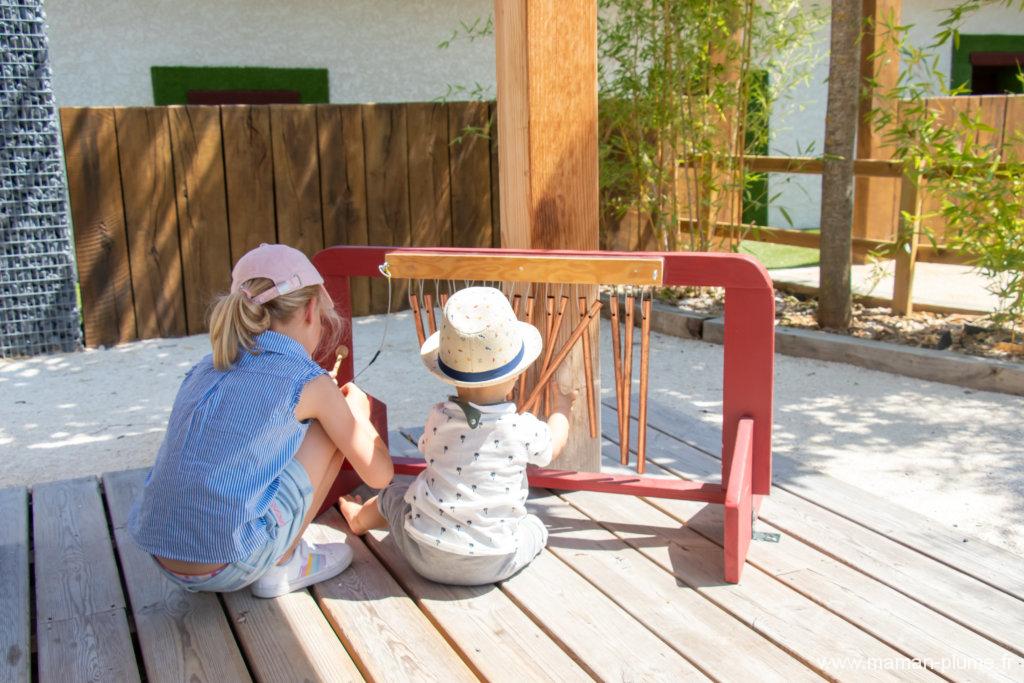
(283,520)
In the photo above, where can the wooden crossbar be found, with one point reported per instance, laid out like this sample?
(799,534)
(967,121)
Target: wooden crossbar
(555,269)
(627,485)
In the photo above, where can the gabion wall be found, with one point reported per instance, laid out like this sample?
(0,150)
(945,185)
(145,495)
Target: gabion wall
(38,311)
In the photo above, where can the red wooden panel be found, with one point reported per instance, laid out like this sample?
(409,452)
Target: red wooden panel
(739,503)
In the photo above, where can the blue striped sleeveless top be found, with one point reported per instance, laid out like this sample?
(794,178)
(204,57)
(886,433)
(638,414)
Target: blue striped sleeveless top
(229,437)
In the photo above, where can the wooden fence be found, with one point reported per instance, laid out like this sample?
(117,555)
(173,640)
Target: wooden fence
(1003,117)
(165,199)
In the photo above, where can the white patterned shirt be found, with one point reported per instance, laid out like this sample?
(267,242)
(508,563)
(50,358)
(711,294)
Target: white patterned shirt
(472,495)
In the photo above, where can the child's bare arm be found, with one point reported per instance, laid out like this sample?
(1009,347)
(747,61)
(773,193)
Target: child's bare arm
(558,423)
(345,416)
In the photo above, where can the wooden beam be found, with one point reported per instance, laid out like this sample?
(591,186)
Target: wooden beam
(907,246)
(875,210)
(592,270)
(882,168)
(861,247)
(547,124)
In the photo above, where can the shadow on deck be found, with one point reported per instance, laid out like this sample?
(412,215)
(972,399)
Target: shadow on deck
(628,589)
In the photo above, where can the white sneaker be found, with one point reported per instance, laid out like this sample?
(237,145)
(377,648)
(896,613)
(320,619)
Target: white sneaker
(309,564)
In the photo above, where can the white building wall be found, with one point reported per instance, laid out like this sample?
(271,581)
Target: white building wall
(375,50)
(381,51)
(794,129)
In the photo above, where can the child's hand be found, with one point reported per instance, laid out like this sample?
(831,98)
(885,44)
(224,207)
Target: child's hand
(564,401)
(357,401)
(567,394)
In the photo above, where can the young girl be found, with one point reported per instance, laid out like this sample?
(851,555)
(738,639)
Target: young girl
(463,520)
(257,435)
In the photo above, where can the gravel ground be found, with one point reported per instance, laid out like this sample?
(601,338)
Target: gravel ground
(947,452)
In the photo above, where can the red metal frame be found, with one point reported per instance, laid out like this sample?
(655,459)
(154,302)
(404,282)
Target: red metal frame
(749,347)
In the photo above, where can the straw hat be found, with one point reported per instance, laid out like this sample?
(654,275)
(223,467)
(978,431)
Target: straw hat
(480,341)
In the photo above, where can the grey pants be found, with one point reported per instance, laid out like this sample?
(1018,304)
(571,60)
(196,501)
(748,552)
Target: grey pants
(459,570)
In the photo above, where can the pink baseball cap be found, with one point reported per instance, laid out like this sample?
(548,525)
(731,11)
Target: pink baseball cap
(287,268)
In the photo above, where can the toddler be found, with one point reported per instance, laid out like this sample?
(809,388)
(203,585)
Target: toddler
(463,520)
(256,437)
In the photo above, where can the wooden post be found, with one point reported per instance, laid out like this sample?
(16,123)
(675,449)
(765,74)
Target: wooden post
(906,245)
(547,127)
(875,214)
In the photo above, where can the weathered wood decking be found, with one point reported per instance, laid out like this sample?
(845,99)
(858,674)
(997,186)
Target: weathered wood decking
(628,589)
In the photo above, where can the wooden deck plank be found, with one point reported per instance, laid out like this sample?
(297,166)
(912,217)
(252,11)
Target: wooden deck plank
(387,636)
(497,639)
(603,638)
(960,597)
(95,647)
(819,638)
(885,613)
(182,635)
(689,623)
(984,561)
(81,626)
(288,638)
(15,627)
(910,627)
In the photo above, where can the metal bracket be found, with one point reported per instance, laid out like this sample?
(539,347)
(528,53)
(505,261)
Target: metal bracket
(767,536)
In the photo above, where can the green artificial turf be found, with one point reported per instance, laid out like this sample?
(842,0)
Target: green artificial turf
(172,83)
(780,255)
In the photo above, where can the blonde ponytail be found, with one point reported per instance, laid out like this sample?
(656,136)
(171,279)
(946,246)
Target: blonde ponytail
(236,320)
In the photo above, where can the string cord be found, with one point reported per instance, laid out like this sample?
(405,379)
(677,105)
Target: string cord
(383,268)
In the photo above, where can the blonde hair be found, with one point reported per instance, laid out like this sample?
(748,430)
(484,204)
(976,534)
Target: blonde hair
(236,320)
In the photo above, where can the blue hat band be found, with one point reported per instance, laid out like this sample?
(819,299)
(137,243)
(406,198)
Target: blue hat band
(484,375)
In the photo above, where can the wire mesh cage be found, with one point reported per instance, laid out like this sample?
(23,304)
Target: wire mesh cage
(38,309)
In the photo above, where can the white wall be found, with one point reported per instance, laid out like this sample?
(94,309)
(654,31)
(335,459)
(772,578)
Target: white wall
(793,130)
(380,51)
(375,50)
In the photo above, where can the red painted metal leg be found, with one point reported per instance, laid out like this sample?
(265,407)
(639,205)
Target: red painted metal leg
(739,501)
(747,379)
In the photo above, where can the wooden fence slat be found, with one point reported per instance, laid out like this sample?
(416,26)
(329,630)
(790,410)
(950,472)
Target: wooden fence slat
(249,177)
(97,212)
(183,636)
(81,626)
(470,175)
(492,109)
(387,190)
(992,113)
(430,207)
(151,220)
(15,627)
(1013,133)
(297,177)
(196,147)
(343,185)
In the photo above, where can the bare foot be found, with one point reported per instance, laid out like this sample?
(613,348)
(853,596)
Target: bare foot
(350,507)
